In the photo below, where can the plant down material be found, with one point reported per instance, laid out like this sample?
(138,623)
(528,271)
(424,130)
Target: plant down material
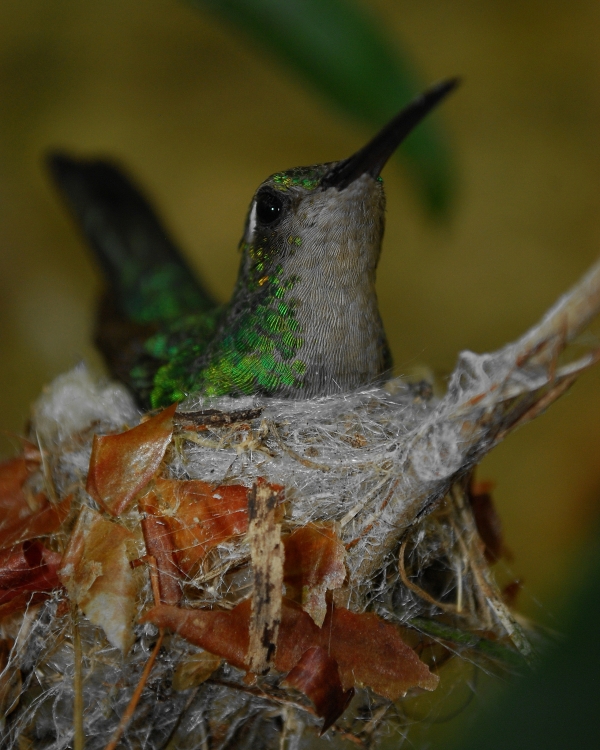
(252,572)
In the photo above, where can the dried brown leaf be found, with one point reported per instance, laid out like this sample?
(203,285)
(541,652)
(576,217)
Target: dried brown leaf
(314,564)
(96,573)
(195,669)
(222,632)
(26,569)
(122,465)
(24,515)
(13,472)
(199,517)
(226,632)
(369,651)
(21,602)
(43,522)
(159,545)
(317,676)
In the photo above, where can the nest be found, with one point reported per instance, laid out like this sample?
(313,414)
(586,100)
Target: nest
(257,572)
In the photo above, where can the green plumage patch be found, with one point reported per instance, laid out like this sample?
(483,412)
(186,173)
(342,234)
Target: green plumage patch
(257,354)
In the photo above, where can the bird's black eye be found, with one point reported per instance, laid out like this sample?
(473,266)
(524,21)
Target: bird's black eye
(269,207)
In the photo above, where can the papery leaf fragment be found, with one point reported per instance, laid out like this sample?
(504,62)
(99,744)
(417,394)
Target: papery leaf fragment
(368,650)
(28,572)
(317,676)
(98,577)
(199,517)
(122,465)
(314,564)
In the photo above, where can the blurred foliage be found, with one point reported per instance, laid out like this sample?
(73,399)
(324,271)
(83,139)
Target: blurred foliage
(556,705)
(341,50)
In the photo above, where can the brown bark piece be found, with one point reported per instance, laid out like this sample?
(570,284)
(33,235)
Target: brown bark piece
(266,552)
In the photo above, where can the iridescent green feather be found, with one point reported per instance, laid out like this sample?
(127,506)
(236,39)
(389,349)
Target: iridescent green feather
(256,354)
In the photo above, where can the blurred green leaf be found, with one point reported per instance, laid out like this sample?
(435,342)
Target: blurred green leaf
(555,706)
(339,48)
(509,657)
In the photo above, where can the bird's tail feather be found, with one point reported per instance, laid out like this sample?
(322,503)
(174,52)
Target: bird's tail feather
(148,280)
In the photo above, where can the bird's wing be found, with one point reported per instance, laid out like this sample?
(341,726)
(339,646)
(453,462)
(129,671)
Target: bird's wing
(151,290)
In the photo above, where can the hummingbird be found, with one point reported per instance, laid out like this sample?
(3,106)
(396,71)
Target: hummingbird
(303,320)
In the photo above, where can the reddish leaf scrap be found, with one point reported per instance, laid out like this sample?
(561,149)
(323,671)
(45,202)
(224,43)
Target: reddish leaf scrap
(317,676)
(160,546)
(199,517)
(45,521)
(222,632)
(22,601)
(225,632)
(122,465)
(13,472)
(24,515)
(368,650)
(26,569)
(314,564)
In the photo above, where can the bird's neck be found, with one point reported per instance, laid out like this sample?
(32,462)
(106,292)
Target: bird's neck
(344,343)
(301,334)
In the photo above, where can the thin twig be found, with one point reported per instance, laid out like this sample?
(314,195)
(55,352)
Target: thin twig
(130,710)
(492,600)
(375,720)
(292,453)
(539,406)
(230,565)
(48,479)
(214,417)
(570,315)
(260,693)
(449,608)
(441,632)
(137,693)
(364,502)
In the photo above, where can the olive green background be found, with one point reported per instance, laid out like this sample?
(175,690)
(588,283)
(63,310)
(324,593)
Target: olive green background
(201,116)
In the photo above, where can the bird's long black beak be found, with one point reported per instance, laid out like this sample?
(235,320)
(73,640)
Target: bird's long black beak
(372,158)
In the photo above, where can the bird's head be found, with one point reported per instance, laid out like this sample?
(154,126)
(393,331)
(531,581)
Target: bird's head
(327,220)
